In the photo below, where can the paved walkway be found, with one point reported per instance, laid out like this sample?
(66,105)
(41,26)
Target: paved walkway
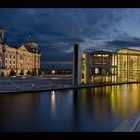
(130,125)
(35,85)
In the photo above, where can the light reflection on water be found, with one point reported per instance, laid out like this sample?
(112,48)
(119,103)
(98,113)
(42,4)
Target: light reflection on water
(53,103)
(87,109)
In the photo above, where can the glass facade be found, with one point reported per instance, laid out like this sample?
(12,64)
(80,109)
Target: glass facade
(103,67)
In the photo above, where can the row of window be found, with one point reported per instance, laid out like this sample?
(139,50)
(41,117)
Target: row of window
(14,62)
(11,56)
(14,57)
(10,62)
(13,67)
(10,66)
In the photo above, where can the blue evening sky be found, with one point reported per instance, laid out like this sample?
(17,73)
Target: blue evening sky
(56,30)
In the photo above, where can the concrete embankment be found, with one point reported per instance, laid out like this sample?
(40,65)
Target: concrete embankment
(18,85)
(130,125)
(12,85)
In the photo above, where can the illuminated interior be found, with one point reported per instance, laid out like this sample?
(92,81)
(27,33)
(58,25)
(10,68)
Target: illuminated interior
(128,65)
(103,67)
(83,68)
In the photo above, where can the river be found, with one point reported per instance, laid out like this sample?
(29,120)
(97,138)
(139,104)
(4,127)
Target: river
(98,109)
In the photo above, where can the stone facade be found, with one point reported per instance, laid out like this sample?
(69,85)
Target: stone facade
(23,58)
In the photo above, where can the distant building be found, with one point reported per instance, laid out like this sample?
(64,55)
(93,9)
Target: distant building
(104,66)
(23,58)
(58,71)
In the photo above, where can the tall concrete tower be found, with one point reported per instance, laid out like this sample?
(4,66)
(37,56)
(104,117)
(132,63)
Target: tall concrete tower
(2,35)
(76,65)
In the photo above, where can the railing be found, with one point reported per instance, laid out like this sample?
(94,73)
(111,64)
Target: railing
(32,84)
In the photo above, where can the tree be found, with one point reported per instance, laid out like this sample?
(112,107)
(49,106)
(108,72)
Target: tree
(28,72)
(33,73)
(21,73)
(12,73)
(2,74)
(39,72)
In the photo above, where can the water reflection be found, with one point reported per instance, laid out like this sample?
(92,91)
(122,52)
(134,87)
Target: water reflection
(87,109)
(18,109)
(53,103)
(76,109)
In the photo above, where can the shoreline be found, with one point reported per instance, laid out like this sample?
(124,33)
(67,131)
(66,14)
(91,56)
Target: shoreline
(60,87)
(130,125)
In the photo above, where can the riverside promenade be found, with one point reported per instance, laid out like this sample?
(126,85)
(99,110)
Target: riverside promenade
(28,84)
(130,125)
(36,84)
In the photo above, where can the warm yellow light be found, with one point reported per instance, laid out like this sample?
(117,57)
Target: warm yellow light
(53,92)
(105,55)
(96,70)
(84,56)
(53,71)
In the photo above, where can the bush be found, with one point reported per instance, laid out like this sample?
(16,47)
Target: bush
(12,73)
(28,72)
(39,72)
(2,74)
(33,73)
(21,73)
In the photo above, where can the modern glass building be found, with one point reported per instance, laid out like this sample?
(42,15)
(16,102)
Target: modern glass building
(105,66)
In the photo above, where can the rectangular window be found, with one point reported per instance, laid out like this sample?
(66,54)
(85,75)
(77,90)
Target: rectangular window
(10,61)
(10,55)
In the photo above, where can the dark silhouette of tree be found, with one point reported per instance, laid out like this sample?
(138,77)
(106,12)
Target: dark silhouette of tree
(28,72)
(12,73)
(21,73)
(33,73)
(39,72)
(2,74)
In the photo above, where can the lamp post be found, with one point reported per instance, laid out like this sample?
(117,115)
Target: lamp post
(53,70)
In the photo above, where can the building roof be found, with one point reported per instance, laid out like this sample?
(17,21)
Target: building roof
(96,52)
(29,42)
(127,50)
(30,49)
(122,50)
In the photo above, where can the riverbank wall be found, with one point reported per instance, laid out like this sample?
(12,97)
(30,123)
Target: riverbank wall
(39,84)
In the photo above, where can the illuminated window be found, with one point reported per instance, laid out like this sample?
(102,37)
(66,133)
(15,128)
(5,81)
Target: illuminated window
(105,55)
(84,56)
(96,70)
(82,80)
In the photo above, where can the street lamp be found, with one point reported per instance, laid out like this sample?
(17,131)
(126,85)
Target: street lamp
(53,71)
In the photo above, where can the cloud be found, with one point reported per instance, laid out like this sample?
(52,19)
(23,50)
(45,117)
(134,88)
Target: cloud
(132,42)
(56,30)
